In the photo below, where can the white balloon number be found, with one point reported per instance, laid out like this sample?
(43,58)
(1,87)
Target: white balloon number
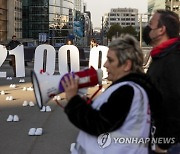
(3,56)
(18,52)
(50,59)
(74,58)
(94,58)
(47,62)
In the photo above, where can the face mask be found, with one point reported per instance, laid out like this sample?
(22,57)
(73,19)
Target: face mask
(146,36)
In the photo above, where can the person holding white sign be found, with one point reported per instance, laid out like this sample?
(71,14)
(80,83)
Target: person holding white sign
(11,45)
(122,110)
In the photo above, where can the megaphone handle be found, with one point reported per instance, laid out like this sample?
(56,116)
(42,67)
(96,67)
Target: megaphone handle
(59,103)
(89,101)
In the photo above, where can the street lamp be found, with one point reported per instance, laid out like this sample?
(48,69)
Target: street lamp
(52,29)
(102,31)
(140,26)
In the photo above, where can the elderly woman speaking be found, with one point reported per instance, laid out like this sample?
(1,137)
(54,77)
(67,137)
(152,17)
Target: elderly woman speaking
(118,120)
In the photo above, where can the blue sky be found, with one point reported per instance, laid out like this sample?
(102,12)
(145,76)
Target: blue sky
(99,7)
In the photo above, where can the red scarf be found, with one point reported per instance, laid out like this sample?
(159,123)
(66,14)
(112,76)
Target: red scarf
(157,50)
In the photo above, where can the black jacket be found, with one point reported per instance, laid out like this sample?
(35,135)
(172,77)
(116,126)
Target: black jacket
(113,113)
(165,74)
(12,44)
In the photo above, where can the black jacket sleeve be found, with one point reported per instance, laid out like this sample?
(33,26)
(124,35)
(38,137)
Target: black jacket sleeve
(111,115)
(8,45)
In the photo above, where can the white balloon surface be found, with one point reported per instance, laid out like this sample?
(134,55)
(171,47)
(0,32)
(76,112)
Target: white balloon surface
(3,56)
(74,59)
(18,52)
(44,59)
(95,58)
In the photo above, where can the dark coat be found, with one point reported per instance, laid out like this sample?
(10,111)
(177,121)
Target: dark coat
(165,74)
(12,44)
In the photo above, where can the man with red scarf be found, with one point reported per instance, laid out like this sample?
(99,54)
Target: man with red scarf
(162,34)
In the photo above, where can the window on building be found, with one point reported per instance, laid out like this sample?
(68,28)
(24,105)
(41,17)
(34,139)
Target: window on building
(112,14)
(112,19)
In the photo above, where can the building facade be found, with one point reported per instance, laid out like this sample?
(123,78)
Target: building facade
(122,16)
(10,19)
(53,18)
(35,18)
(78,5)
(173,5)
(14,15)
(155,4)
(3,20)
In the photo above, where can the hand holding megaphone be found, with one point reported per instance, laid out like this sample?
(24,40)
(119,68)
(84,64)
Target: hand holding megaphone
(46,86)
(70,84)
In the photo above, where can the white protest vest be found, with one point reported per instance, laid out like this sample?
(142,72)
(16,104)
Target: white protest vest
(136,125)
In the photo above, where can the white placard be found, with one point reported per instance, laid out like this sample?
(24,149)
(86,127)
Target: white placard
(50,59)
(94,58)
(74,59)
(3,56)
(18,52)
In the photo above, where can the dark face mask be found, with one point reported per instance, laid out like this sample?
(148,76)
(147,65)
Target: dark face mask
(146,36)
